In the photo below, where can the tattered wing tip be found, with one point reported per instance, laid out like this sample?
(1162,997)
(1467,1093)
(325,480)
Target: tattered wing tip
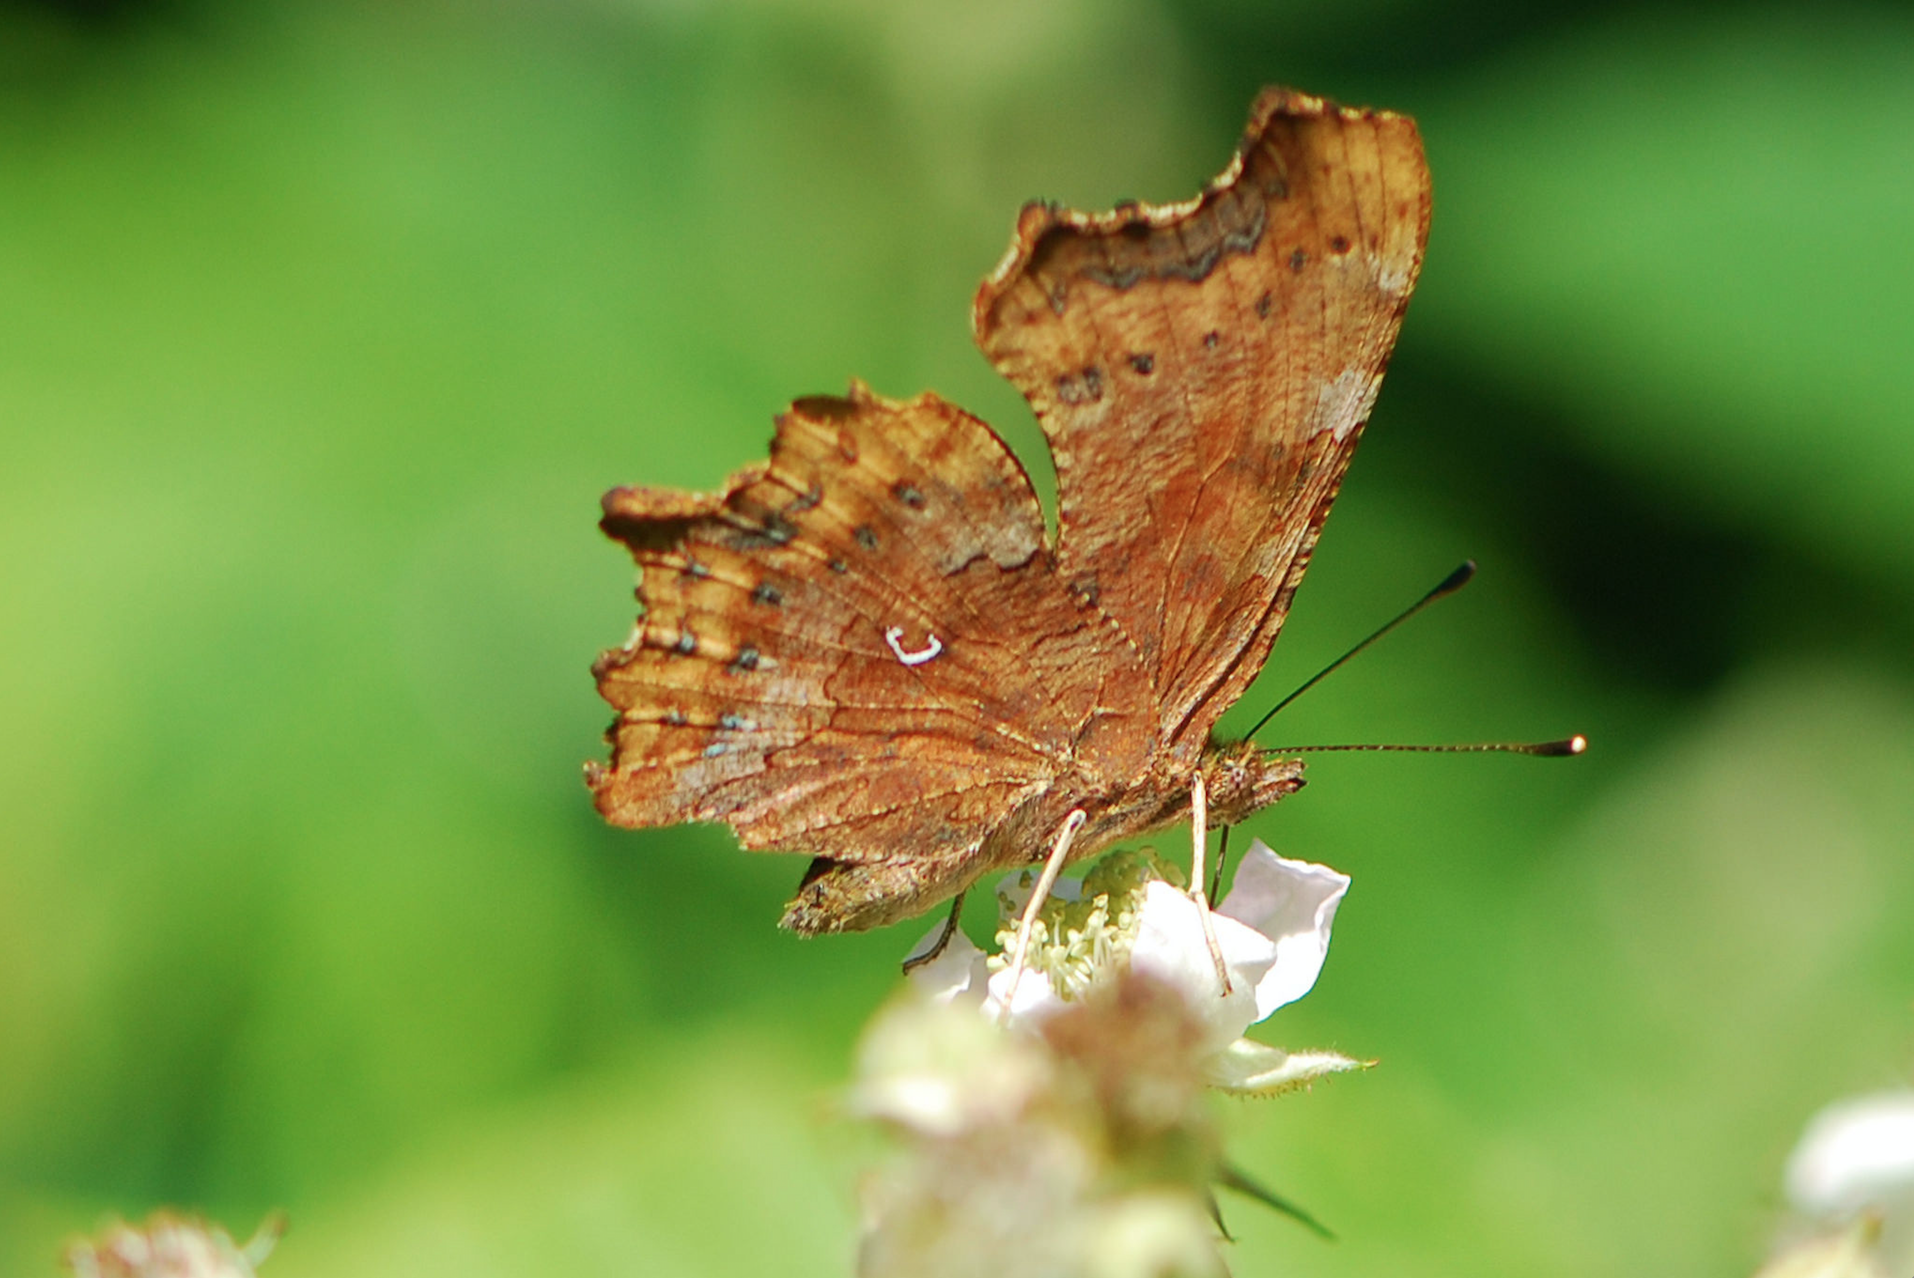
(857,398)
(655,518)
(1039,218)
(602,780)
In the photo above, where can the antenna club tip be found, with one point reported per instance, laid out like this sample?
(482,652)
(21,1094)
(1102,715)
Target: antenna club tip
(1454,581)
(1563,749)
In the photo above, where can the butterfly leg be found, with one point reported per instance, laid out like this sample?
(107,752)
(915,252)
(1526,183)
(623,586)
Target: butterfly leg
(1051,868)
(916,961)
(1222,859)
(1199,834)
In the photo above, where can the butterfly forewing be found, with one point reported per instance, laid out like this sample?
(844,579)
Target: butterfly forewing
(1202,373)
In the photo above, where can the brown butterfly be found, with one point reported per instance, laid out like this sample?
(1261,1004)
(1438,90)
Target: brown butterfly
(868,650)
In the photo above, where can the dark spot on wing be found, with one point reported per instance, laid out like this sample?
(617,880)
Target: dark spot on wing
(837,565)
(1081,388)
(1298,259)
(1117,277)
(864,536)
(909,494)
(687,643)
(1143,363)
(1210,339)
(767,594)
(1339,244)
(747,659)
(754,528)
(1263,305)
(1198,266)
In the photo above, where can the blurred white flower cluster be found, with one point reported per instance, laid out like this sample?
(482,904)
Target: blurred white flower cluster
(1851,1180)
(170,1246)
(1072,1137)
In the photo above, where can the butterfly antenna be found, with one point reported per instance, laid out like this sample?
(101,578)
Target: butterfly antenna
(1565,748)
(1448,586)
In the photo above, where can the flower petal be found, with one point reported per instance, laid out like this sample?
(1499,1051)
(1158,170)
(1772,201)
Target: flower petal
(1170,947)
(1247,1067)
(1036,996)
(1150,1232)
(939,1071)
(1293,903)
(955,976)
(1855,1154)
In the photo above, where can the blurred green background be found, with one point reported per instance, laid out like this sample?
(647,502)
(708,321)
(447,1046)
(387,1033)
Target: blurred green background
(323,326)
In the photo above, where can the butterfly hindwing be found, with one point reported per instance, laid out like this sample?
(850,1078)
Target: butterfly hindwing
(858,650)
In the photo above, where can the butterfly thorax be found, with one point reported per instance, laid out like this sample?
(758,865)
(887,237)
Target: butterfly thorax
(1239,779)
(1242,780)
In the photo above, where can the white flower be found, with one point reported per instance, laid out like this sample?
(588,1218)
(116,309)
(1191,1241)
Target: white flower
(170,1246)
(1272,928)
(1083,1148)
(1855,1154)
(1854,1169)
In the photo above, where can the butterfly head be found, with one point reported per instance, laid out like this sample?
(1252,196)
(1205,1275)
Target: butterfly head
(1242,779)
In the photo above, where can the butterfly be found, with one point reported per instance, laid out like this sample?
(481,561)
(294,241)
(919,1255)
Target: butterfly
(869,650)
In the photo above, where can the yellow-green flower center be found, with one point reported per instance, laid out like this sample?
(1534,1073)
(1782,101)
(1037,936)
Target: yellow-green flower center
(1074,942)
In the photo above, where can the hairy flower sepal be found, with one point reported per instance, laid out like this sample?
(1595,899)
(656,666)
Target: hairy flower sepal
(1273,929)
